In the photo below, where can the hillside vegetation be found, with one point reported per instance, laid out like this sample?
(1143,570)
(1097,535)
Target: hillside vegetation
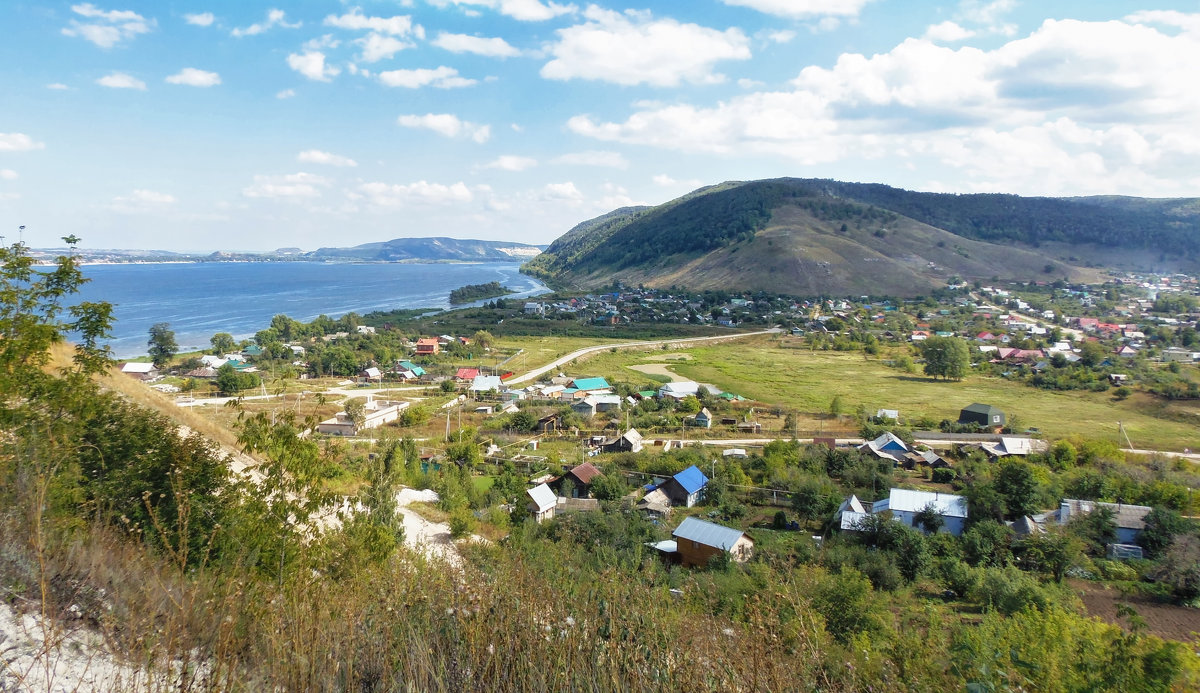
(825,237)
(430,249)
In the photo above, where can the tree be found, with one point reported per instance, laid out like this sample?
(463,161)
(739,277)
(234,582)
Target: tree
(230,381)
(1162,526)
(484,339)
(987,543)
(929,519)
(1180,567)
(1051,552)
(163,346)
(608,487)
(1096,529)
(947,357)
(1091,353)
(222,343)
(356,409)
(1014,479)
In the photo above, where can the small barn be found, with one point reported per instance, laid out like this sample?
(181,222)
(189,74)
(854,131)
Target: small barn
(580,479)
(704,419)
(630,441)
(984,415)
(697,541)
(542,502)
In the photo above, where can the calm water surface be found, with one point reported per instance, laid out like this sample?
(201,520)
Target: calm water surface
(200,299)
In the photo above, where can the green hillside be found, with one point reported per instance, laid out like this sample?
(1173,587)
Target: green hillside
(821,236)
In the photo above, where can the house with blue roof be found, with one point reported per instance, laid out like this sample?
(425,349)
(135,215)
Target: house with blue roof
(685,488)
(590,384)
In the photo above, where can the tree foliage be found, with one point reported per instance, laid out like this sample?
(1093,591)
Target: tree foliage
(946,357)
(162,345)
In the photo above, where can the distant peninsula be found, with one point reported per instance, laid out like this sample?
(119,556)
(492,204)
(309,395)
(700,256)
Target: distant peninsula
(478,292)
(432,249)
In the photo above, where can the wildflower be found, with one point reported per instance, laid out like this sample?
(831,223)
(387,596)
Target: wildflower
(491,648)
(727,631)
(570,620)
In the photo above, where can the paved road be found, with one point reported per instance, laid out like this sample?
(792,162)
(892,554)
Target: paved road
(538,372)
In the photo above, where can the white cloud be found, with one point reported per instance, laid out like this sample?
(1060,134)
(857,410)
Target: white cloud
(462,43)
(988,15)
(275,17)
(522,10)
(285,93)
(447,125)
(312,65)
(199,19)
(399,25)
(120,80)
(292,186)
(18,142)
(510,162)
(57,86)
(442,77)
(376,47)
(803,8)
(668,182)
(593,158)
(192,77)
(781,36)
(562,191)
(421,192)
(320,43)
(141,201)
(633,49)
(948,32)
(316,156)
(1090,106)
(106,28)
(7,174)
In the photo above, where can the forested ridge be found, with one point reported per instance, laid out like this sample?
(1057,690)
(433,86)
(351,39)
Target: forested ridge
(725,215)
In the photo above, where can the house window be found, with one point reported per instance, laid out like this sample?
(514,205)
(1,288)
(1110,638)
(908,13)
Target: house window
(995,419)
(695,544)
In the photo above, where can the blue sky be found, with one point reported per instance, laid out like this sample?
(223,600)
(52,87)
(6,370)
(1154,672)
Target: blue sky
(244,126)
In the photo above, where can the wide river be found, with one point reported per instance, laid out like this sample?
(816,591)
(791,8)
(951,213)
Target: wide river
(200,299)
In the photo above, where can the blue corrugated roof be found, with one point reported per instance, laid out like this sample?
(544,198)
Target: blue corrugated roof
(707,533)
(691,479)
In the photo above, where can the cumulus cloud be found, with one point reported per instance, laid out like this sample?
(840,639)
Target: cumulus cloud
(285,93)
(1088,106)
(193,77)
(948,32)
(316,156)
(18,142)
(522,10)
(593,158)
(418,193)
(462,43)
(803,9)
(562,191)
(988,15)
(441,77)
(106,28)
(355,20)
(199,19)
(275,17)
(633,48)
(668,182)
(312,65)
(510,162)
(447,125)
(376,47)
(291,186)
(120,80)
(140,201)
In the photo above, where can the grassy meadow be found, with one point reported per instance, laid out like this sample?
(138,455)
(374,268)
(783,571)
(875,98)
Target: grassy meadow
(807,381)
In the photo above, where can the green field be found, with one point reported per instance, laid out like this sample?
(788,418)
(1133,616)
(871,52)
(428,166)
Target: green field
(759,369)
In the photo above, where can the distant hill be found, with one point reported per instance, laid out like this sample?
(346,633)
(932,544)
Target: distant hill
(428,249)
(812,236)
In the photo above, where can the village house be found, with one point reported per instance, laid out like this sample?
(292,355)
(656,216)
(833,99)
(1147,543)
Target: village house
(685,488)
(542,502)
(698,541)
(141,371)
(630,441)
(905,504)
(886,447)
(1129,519)
(580,481)
(466,375)
(703,419)
(375,414)
(427,346)
(984,415)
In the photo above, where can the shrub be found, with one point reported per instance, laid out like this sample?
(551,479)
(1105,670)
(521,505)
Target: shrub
(1008,590)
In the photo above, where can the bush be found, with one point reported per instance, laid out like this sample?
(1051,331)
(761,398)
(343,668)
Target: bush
(944,475)
(462,522)
(1008,590)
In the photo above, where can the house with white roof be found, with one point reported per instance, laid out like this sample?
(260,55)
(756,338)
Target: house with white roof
(904,504)
(542,502)
(679,390)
